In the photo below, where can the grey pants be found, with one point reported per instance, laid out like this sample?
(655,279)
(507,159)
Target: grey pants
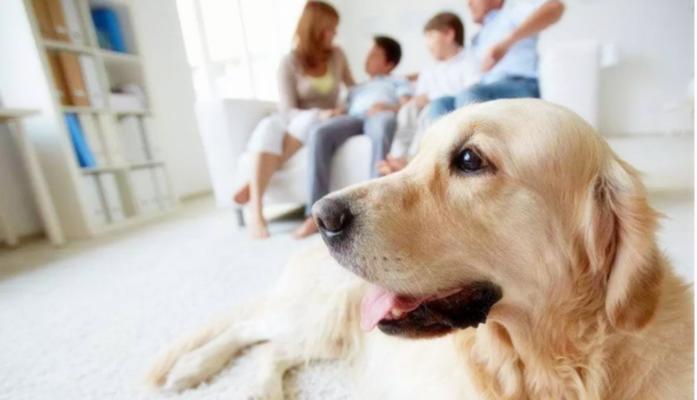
(326,137)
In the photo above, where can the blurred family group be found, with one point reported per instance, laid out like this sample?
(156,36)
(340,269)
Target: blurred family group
(501,61)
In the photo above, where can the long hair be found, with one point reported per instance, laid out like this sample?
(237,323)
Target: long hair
(316,18)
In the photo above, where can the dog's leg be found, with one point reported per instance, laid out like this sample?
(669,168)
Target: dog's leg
(276,359)
(199,365)
(157,375)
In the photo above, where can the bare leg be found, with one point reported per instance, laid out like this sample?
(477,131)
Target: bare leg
(241,196)
(290,146)
(264,166)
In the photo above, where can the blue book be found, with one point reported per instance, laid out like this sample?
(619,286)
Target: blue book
(85,158)
(109,34)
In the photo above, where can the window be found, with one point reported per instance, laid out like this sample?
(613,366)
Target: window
(234,46)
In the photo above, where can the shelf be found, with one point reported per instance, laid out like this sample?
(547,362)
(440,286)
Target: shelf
(74,188)
(115,56)
(14,113)
(106,168)
(67,46)
(83,109)
(132,112)
(146,164)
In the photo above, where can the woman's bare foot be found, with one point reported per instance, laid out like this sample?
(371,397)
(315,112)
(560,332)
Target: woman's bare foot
(258,228)
(306,229)
(241,197)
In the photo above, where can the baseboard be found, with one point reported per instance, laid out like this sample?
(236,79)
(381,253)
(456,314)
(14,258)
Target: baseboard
(196,195)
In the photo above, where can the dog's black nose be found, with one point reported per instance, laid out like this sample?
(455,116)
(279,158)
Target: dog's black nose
(332,216)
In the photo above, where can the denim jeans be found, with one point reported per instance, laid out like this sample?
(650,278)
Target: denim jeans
(326,137)
(507,88)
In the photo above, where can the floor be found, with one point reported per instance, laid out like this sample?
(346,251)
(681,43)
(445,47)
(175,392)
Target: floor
(83,321)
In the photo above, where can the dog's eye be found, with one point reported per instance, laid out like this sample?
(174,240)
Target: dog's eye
(469,161)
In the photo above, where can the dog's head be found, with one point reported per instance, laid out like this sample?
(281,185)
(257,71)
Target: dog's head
(506,200)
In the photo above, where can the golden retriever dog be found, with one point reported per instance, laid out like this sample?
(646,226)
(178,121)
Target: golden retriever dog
(516,247)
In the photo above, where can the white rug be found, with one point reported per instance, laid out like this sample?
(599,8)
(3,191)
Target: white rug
(84,321)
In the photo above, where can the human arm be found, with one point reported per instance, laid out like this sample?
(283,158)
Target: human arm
(544,16)
(287,89)
(346,76)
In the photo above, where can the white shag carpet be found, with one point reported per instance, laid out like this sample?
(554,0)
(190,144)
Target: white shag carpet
(84,321)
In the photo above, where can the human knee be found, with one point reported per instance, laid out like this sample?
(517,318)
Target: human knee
(440,107)
(319,134)
(474,94)
(380,125)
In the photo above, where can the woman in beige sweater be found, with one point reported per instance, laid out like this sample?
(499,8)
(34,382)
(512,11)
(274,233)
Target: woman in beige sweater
(309,80)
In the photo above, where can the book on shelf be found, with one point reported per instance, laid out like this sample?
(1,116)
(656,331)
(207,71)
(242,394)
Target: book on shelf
(133,137)
(43,18)
(92,86)
(145,190)
(83,152)
(55,13)
(90,130)
(96,206)
(112,198)
(112,145)
(59,20)
(152,145)
(108,27)
(126,102)
(72,21)
(60,87)
(72,73)
(151,189)
(164,197)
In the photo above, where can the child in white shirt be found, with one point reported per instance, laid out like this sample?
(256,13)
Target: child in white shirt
(452,71)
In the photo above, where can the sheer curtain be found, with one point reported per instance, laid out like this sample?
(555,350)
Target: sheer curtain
(234,46)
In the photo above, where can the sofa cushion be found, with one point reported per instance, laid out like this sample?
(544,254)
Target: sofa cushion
(351,165)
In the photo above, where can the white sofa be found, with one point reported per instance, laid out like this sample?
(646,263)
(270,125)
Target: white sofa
(568,76)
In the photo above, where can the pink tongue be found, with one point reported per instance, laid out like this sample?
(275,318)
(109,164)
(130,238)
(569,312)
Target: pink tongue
(377,304)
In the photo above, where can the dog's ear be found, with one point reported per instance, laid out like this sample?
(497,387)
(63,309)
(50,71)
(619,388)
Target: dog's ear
(620,242)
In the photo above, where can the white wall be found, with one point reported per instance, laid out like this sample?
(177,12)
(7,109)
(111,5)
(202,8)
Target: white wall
(654,41)
(15,193)
(170,82)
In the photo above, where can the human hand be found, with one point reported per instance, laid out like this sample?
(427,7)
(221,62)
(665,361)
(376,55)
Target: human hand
(495,54)
(341,110)
(330,113)
(421,101)
(379,107)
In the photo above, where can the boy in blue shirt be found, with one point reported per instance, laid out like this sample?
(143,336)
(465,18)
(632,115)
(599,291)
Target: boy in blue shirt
(371,110)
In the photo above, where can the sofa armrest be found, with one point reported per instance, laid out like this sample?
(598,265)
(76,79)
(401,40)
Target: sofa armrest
(226,126)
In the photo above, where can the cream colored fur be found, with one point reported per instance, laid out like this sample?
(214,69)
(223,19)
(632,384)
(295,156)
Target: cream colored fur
(591,307)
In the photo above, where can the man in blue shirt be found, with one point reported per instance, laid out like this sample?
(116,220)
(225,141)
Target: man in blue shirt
(506,49)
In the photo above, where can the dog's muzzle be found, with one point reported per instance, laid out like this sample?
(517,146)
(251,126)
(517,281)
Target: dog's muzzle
(333,217)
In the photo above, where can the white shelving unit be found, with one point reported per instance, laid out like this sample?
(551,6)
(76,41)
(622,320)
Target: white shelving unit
(26,80)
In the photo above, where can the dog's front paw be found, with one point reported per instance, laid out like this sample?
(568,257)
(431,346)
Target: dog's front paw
(191,370)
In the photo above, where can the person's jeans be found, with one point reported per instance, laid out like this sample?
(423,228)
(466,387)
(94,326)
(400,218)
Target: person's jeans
(507,88)
(326,137)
